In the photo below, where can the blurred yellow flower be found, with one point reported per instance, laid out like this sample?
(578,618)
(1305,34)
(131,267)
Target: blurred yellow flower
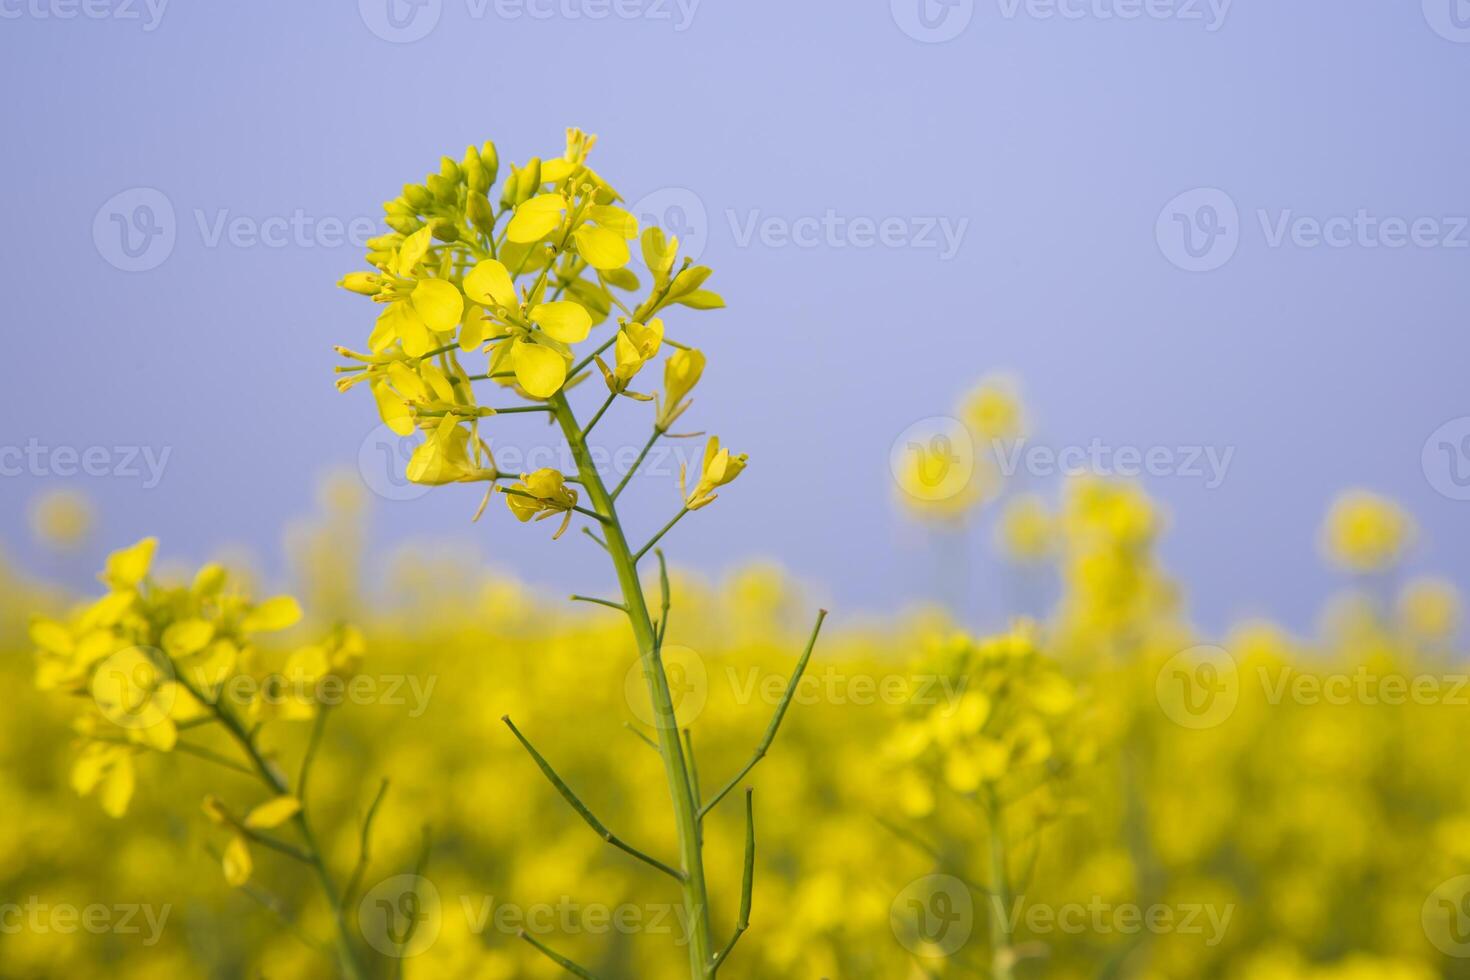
(62,519)
(1365,532)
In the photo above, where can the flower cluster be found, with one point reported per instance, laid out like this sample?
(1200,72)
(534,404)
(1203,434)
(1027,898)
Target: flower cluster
(503,291)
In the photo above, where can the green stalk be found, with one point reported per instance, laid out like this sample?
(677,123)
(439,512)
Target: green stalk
(346,951)
(686,814)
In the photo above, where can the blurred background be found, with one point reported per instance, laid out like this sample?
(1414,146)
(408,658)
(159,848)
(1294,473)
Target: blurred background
(1100,364)
(896,198)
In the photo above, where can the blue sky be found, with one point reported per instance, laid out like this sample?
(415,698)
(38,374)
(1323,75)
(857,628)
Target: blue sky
(1182,224)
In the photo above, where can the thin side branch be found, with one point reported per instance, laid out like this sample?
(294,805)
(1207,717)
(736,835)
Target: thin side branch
(662,531)
(747,881)
(583,812)
(776,719)
(363,848)
(620,607)
(557,958)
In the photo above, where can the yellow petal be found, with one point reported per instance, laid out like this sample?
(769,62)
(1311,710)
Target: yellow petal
(540,370)
(126,568)
(473,327)
(603,249)
(393,410)
(489,284)
(413,250)
(563,320)
(614,219)
(278,613)
(273,813)
(237,863)
(438,303)
(536,218)
(117,787)
(187,636)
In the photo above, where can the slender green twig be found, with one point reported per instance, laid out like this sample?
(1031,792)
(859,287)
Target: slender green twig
(583,812)
(637,462)
(581,365)
(318,728)
(187,748)
(587,429)
(662,531)
(557,958)
(419,868)
(354,881)
(601,602)
(663,597)
(642,737)
(775,724)
(747,881)
(593,535)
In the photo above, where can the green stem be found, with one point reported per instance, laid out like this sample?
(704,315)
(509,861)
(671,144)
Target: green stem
(346,950)
(1000,934)
(686,814)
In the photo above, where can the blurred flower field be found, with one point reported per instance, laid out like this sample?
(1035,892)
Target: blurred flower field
(410,765)
(1046,802)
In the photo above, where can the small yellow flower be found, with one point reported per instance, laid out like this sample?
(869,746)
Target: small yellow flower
(993,410)
(635,346)
(1430,608)
(1027,531)
(719,468)
(540,495)
(62,519)
(681,373)
(1365,532)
